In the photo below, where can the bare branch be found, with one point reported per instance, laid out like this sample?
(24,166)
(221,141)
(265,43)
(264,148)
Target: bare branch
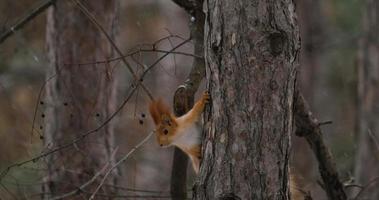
(325,123)
(363,188)
(24,20)
(123,159)
(97,24)
(134,53)
(80,188)
(307,126)
(374,139)
(104,169)
(133,89)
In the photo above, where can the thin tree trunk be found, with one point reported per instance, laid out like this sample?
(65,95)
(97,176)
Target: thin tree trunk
(251,50)
(307,126)
(80,97)
(184,95)
(367,167)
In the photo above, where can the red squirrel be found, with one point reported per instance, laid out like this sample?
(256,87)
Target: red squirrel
(185,132)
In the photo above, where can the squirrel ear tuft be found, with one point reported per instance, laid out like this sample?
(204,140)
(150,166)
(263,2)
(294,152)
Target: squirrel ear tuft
(157,110)
(154,112)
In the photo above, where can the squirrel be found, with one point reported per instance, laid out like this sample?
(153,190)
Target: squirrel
(185,133)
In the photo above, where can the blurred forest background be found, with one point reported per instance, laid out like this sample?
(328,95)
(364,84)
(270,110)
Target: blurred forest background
(331,32)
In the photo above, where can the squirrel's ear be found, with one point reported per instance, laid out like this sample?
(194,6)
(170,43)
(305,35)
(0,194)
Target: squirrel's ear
(154,112)
(157,110)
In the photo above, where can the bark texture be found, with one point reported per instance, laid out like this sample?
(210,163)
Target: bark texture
(80,97)
(367,168)
(251,50)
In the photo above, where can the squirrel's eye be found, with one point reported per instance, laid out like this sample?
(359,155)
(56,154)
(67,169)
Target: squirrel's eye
(165,131)
(168,122)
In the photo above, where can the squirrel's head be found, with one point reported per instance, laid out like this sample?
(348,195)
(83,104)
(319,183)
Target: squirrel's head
(165,122)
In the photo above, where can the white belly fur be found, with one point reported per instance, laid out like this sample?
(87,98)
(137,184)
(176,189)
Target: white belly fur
(188,136)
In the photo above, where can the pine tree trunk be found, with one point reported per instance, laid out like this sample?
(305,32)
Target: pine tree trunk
(251,50)
(367,167)
(79,98)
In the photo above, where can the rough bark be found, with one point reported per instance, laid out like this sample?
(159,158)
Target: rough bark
(367,167)
(184,95)
(251,50)
(80,97)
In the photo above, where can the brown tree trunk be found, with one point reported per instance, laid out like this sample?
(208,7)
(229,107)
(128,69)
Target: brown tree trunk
(79,98)
(251,50)
(367,167)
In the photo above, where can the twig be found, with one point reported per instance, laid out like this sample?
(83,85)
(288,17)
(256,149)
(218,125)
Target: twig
(374,180)
(128,189)
(8,191)
(133,53)
(32,196)
(325,123)
(109,38)
(24,20)
(80,188)
(36,107)
(374,139)
(86,134)
(123,159)
(353,185)
(133,196)
(308,127)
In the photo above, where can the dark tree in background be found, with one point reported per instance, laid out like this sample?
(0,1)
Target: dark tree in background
(184,95)
(367,165)
(80,97)
(251,53)
(311,24)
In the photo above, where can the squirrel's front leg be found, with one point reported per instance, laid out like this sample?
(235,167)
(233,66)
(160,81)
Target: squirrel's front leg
(195,113)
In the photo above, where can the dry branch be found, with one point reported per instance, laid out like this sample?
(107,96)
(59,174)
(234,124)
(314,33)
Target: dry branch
(24,20)
(123,159)
(115,47)
(307,126)
(82,136)
(89,182)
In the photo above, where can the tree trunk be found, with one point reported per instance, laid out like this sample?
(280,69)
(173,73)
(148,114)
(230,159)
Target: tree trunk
(251,50)
(185,94)
(79,98)
(367,167)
